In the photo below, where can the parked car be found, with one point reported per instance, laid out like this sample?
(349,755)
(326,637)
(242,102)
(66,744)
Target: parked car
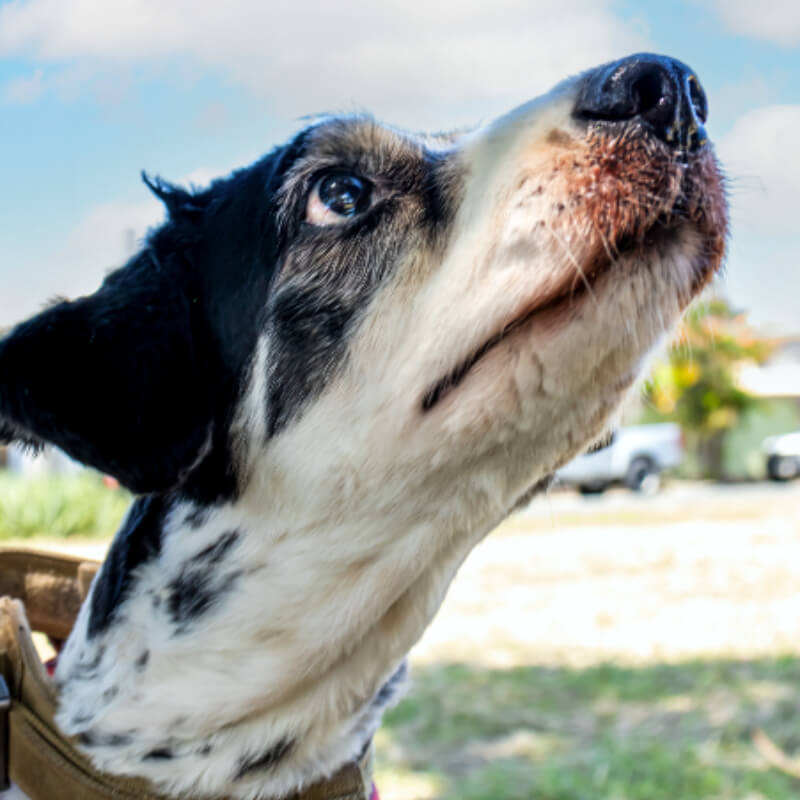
(783,456)
(635,456)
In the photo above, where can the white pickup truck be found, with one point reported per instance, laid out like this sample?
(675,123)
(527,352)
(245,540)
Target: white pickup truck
(783,456)
(635,456)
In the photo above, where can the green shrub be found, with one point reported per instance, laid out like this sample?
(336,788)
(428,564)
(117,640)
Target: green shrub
(59,506)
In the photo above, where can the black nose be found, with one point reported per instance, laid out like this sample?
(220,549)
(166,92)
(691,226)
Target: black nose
(662,93)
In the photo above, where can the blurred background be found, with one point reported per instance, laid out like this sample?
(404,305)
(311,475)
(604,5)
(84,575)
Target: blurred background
(631,636)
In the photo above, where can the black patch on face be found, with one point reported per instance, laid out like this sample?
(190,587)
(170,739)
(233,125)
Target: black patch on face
(329,274)
(141,661)
(199,586)
(137,542)
(312,330)
(267,760)
(235,268)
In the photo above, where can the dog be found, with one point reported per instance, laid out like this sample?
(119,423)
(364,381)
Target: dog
(327,377)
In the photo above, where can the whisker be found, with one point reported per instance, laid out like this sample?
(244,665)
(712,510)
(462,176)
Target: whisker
(571,256)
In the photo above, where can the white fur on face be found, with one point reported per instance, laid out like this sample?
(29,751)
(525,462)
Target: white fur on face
(356,517)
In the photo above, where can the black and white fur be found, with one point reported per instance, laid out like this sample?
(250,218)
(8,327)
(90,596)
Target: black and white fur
(323,414)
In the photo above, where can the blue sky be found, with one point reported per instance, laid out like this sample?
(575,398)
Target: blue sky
(93,91)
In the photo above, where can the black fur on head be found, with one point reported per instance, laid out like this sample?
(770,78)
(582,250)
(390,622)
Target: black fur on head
(139,379)
(143,378)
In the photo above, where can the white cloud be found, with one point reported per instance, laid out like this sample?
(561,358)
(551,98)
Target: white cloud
(774,20)
(103,240)
(399,60)
(760,156)
(764,278)
(25,89)
(109,234)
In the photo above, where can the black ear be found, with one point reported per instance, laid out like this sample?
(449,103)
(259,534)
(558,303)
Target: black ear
(114,379)
(178,202)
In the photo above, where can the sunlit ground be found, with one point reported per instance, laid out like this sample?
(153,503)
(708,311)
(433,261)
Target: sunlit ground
(578,658)
(614,648)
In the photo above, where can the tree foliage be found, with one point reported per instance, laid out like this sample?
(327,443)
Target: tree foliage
(697,387)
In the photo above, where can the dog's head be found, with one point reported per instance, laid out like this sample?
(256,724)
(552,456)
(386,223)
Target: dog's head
(333,372)
(364,305)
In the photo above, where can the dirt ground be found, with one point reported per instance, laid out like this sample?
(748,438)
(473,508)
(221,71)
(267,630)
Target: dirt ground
(698,570)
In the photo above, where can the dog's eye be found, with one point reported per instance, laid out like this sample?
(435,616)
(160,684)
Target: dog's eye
(338,197)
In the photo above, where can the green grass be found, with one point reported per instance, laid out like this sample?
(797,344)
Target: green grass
(56,507)
(666,732)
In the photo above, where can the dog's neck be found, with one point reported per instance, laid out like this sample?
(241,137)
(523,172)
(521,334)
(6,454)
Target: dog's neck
(233,651)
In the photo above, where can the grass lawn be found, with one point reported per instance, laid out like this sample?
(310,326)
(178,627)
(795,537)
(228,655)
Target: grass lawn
(660,732)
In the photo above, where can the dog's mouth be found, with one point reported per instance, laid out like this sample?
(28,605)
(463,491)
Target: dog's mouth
(692,195)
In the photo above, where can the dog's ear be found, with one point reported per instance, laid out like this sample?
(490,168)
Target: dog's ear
(114,378)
